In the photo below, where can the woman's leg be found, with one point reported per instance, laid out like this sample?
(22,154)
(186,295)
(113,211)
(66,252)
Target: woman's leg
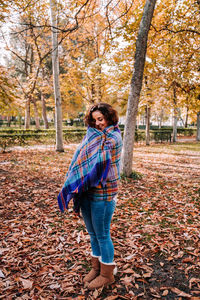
(87,217)
(101,215)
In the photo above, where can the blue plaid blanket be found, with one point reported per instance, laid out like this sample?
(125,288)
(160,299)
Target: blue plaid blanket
(89,167)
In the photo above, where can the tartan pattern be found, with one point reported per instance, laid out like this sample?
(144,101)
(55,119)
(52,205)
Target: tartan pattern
(94,167)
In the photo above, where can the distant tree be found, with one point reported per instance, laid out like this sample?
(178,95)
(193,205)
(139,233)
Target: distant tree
(55,64)
(135,88)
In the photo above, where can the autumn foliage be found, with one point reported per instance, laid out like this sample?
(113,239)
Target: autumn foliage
(97,43)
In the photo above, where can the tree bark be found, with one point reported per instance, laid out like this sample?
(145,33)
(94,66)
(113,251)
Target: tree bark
(180,117)
(27,114)
(9,120)
(55,65)
(175,126)
(160,119)
(147,130)
(175,116)
(186,117)
(198,126)
(44,112)
(37,120)
(136,86)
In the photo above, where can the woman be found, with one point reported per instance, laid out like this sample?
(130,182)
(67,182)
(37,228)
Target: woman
(92,182)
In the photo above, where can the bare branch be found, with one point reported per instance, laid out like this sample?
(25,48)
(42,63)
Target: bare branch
(175,31)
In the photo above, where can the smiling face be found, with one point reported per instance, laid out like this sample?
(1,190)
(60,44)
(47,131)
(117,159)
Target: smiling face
(100,121)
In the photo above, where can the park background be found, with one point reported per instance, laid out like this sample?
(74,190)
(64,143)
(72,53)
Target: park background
(57,59)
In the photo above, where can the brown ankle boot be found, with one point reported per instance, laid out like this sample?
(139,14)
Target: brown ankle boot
(94,271)
(105,278)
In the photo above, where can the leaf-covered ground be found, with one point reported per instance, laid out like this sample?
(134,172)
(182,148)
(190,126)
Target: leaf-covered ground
(155,229)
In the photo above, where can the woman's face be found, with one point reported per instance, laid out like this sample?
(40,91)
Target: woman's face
(100,121)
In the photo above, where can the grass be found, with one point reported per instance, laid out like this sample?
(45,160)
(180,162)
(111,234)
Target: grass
(165,148)
(195,146)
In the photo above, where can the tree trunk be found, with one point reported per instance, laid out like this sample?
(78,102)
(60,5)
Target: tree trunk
(135,88)
(44,112)
(20,120)
(147,131)
(160,119)
(180,118)
(8,121)
(44,109)
(198,126)
(37,120)
(175,116)
(27,113)
(186,117)
(55,65)
(175,119)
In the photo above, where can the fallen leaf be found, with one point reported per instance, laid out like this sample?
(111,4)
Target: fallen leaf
(188,260)
(192,280)
(165,293)
(1,274)
(55,286)
(180,293)
(95,294)
(27,284)
(129,271)
(147,275)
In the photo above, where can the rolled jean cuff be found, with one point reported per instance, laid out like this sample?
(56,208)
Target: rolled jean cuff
(109,264)
(95,255)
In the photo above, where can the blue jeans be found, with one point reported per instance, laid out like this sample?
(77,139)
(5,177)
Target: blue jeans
(97,216)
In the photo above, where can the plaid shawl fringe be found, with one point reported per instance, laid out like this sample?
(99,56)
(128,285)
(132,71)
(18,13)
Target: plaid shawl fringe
(89,167)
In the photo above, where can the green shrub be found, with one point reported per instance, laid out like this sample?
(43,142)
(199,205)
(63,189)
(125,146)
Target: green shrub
(10,137)
(10,141)
(74,136)
(20,137)
(134,175)
(139,135)
(187,131)
(161,135)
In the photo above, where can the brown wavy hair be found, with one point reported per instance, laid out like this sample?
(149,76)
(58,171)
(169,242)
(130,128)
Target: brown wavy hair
(109,113)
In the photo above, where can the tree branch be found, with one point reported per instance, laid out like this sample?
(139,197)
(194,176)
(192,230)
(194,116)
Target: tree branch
(175,31)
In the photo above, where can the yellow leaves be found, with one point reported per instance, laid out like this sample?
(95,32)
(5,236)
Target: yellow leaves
(8,92)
